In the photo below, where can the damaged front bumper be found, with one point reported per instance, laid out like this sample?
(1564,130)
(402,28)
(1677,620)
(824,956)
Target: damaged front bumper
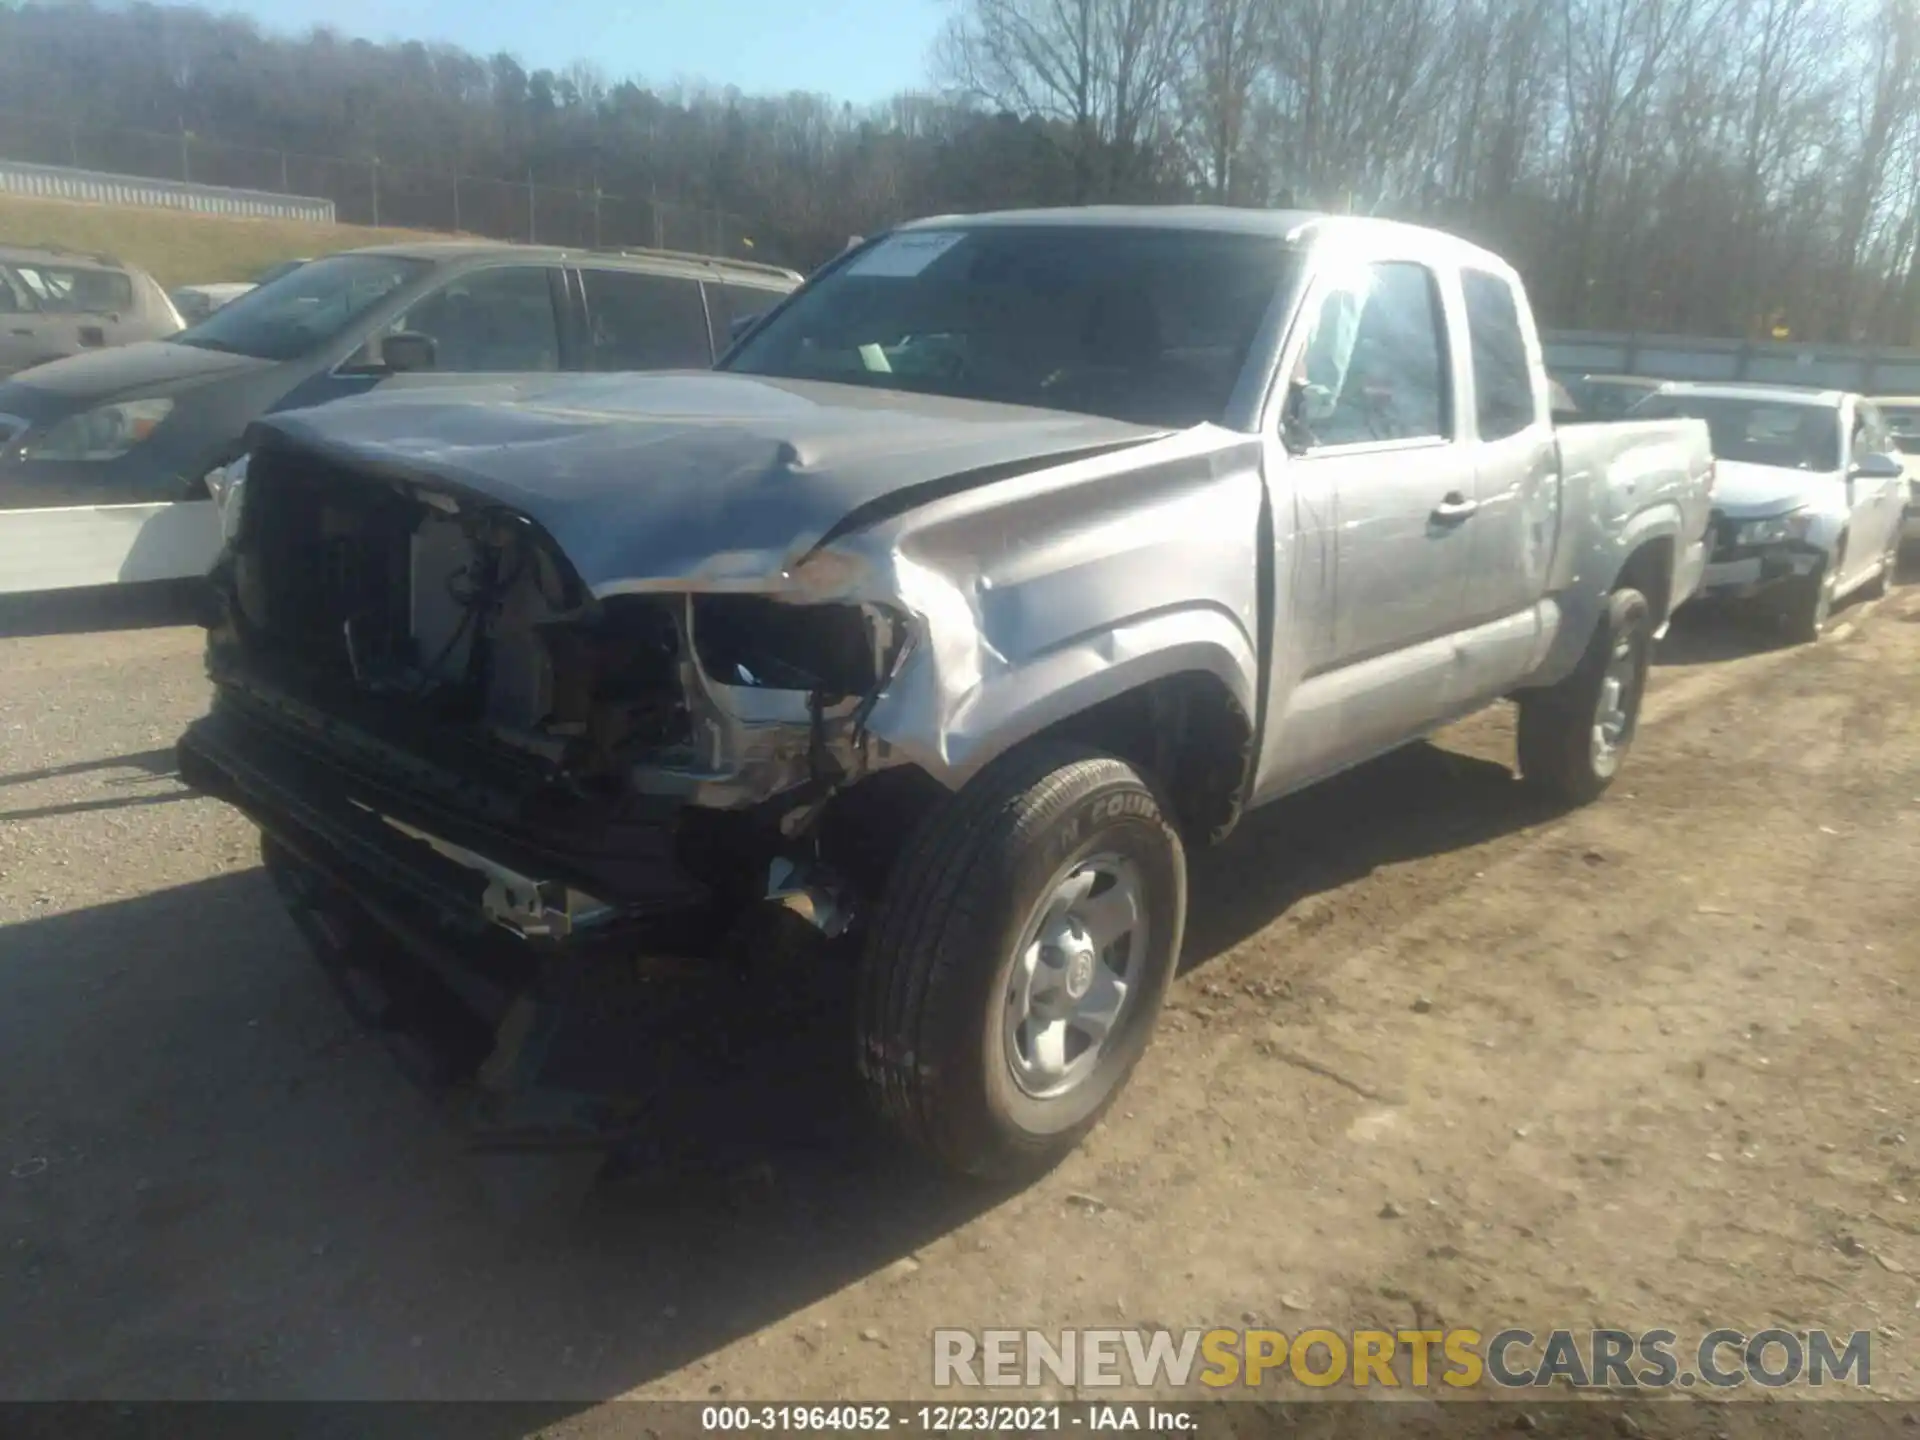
(540,1014)
(1757,572)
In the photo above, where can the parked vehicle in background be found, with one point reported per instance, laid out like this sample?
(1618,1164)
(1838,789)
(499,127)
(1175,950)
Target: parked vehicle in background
(1607,397)
(278,268)
(1009,558)
(196,302)
(106,460)
(1808,496)
(1902,413)
(55,303)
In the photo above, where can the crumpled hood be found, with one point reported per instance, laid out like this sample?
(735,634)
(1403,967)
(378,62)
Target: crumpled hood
(711,478)
(1745,491)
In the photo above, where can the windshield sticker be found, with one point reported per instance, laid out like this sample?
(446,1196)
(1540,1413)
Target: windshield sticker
(899,256)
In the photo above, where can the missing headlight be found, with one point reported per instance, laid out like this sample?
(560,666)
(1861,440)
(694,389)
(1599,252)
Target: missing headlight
(751,640)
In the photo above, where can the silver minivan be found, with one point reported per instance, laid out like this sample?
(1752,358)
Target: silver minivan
(55,303)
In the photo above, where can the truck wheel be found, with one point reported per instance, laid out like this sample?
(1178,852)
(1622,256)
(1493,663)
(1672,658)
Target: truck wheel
(1574,735)
(1805,618)
(1018,959)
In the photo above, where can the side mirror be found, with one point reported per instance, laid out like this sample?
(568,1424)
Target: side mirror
(407,350)
(1877,466)
(741,324)
(1308,404)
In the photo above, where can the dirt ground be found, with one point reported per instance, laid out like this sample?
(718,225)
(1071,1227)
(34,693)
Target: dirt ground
(1437,1059)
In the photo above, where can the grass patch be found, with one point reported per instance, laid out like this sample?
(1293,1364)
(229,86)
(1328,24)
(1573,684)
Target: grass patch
(178,247)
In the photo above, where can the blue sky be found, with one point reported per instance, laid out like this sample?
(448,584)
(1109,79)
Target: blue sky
(858,50)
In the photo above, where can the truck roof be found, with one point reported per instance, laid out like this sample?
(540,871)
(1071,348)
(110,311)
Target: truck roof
(1753,390)
(1291,226)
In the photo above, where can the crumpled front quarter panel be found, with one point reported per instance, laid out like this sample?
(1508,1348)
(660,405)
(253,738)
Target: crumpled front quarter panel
(1037,597)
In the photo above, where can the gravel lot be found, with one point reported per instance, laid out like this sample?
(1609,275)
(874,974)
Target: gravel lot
(1437,1058)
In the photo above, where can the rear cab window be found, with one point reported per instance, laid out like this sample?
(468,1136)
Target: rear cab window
(1503,397)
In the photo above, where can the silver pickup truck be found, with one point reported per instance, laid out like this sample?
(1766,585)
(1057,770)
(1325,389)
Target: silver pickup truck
(1006,560)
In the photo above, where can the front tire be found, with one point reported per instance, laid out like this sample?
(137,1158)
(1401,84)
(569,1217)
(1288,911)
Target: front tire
(1019,958)
(1889,562)
(1806,616)
(1573,736)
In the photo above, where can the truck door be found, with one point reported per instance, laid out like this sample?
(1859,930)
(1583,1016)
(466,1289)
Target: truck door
(1516,476)
(1370,431)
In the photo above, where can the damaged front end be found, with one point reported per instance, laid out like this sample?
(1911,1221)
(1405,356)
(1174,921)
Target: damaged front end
(477,777)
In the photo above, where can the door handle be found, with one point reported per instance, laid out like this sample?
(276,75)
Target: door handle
(1454,508)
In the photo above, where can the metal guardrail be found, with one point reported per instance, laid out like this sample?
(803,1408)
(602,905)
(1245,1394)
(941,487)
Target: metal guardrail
(1692,357)
(57,182)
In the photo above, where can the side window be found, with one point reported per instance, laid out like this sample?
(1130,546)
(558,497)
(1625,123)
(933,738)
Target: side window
(489,320)
(12,300)
(1502,381)
(729,304)
(1375,366)
(1874,439)
(645,322)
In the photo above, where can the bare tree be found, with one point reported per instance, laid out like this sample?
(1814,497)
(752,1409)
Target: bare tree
(1232,48)
(1106,69)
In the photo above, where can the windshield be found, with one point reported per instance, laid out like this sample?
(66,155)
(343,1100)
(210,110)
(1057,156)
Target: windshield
(1781,433)
(304,308)
(1150,326)
(1905,426)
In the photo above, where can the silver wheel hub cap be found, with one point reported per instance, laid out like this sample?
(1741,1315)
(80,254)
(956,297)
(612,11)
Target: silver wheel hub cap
(1611,718)
(1074,975)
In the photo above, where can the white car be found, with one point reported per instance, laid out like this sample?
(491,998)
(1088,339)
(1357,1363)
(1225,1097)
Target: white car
(1903,419)
(1809,495)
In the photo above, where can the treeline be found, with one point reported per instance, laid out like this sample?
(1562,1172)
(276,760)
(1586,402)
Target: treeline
(1715,166)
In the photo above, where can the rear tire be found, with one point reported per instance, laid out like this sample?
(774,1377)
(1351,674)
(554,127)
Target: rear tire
(1574,735)
(1018,910)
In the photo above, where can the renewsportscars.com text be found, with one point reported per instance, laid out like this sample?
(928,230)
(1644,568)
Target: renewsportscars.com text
(1721,1359)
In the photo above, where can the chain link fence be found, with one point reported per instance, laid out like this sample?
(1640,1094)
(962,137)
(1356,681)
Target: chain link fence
(368,192)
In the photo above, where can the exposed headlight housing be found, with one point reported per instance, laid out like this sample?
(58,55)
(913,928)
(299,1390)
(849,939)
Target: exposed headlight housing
(105,432)
(1774,529)
(227,484)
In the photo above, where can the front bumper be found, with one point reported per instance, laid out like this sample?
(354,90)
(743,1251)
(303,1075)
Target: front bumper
(1758,571)
(536,1023)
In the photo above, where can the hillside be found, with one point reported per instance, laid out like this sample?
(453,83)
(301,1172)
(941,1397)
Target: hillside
(176,247)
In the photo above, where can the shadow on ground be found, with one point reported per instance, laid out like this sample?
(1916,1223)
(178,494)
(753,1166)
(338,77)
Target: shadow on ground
(229,1191)
(147,766)
(105,607)
(1707,634)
